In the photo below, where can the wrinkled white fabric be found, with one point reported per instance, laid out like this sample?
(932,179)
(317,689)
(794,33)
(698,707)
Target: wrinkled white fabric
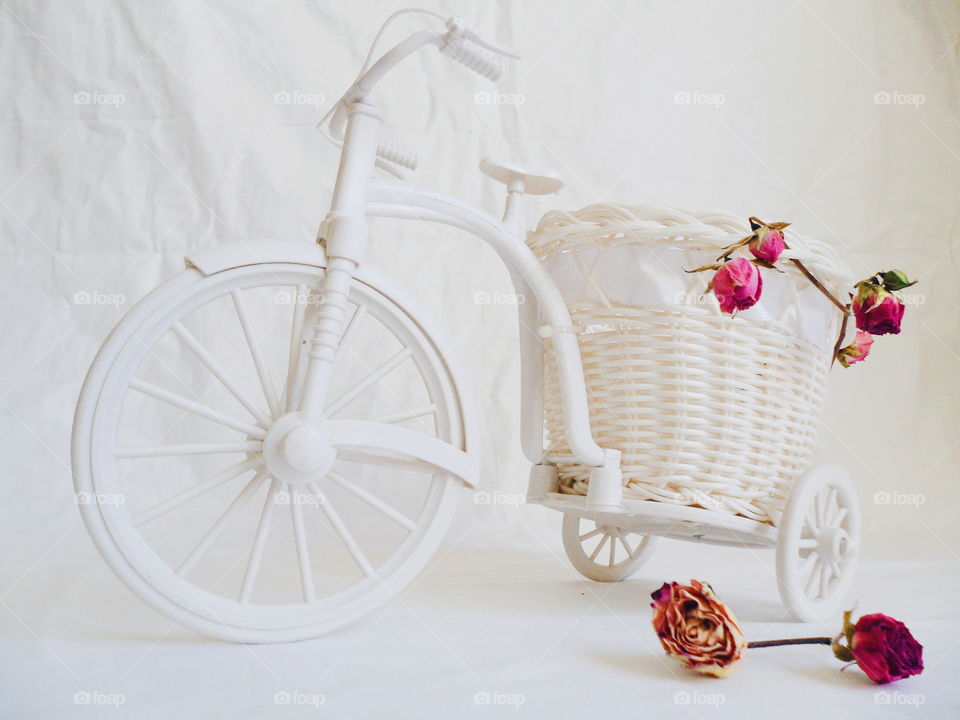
(134,133)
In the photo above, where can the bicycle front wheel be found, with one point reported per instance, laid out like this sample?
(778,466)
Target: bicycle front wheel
(171,479)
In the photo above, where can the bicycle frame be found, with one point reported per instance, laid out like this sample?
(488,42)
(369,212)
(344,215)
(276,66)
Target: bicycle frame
(345,231)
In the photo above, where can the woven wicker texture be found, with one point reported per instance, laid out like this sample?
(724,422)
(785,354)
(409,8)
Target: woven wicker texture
(708,410)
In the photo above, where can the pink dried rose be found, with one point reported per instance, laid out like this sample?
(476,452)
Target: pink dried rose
(695,627)
(737,285)
(857,350)
(767,244)
(883,647)
(877,310)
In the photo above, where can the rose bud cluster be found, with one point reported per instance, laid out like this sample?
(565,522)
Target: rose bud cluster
(695,627)
(737,283)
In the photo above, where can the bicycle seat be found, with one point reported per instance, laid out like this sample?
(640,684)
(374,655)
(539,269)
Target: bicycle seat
(534,181)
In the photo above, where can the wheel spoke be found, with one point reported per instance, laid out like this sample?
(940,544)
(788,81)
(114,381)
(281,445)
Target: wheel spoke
(813,582)
(828,506)
(292,388)
(259,542)
(599,547)
(303,552)
(238,503)
(142,451)
(402,415)
(593,533)
(613,552)
(807,543)
(190,493)
(805,567)
(810,520)
(825,576)
(373,501)
(841,514)
(214,367)
(291,391)
(194,407)
(819,505)
(342,531)
(626,545)
(350,330)
(269,391)
(348,396)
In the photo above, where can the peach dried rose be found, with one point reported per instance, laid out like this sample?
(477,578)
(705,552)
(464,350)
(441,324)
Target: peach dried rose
(695,627)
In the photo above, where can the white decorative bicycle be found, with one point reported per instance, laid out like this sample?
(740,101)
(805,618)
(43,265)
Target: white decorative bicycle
(154,431)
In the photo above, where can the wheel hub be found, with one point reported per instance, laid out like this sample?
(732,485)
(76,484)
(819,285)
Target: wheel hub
(297,451)
(833,544)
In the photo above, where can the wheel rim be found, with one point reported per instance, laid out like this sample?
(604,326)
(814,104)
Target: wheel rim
(245,616)
(604,552)
(818,544)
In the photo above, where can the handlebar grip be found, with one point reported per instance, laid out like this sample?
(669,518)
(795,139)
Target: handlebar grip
(480,61)
(398,155)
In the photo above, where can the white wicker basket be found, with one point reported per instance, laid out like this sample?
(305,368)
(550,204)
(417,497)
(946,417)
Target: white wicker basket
(708,410)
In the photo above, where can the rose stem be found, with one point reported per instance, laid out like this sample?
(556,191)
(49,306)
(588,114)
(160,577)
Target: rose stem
(791,641)
(819,286)
(843,332)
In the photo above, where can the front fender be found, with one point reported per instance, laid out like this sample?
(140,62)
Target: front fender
(234,255)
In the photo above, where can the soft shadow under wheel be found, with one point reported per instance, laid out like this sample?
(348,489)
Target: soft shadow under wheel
(603,552)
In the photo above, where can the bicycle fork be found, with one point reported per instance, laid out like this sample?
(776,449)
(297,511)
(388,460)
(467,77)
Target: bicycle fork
(346,238)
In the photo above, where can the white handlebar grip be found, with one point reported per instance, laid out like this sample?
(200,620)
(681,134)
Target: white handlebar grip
(398,155)
(479,61)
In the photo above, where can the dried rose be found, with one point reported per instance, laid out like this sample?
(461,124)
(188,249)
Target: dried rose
(877,310)
(695,627)
(737,285)
(767,244)
(857,350)
(882,646)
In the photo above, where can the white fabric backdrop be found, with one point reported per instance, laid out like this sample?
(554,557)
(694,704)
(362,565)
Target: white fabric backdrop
(133,133)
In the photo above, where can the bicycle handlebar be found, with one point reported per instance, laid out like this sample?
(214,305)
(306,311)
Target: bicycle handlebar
(459,43)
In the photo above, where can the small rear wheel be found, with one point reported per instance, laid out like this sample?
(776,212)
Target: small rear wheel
(604,552)
(818,543)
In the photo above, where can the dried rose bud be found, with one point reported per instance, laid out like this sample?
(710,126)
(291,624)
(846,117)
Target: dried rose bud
(877,310)
(882,646)
(857,350)
(737,285)
(767,244)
